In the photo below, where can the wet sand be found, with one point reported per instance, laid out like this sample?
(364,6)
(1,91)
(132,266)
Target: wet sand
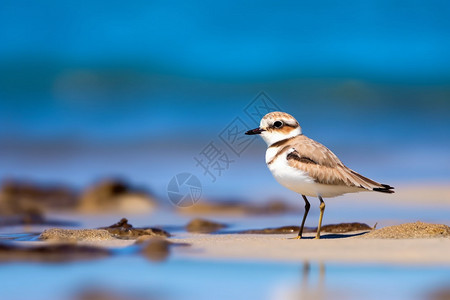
(386,245)
(147,254)
(331,248)
(346,248)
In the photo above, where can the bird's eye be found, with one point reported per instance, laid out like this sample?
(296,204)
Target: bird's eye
(278,124)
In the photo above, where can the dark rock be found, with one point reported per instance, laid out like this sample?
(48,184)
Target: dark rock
(124,230)
(51,253)
(442,293)
(156,249)
(345,227)
(238,208)
(276,230)
(34,219)
(332,228)
(110,293)
(204,226)
(30,217)
(30,200)
(120,230)
(116,196)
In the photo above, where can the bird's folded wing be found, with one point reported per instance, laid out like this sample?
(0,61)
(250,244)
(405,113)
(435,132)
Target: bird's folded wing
(324,166)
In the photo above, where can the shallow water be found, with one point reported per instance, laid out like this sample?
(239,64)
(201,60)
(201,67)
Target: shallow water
(128,275)
(135,277)
(374,87)
(19,236)
(339,210)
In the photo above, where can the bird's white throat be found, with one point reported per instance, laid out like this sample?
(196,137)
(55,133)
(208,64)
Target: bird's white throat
(271,137)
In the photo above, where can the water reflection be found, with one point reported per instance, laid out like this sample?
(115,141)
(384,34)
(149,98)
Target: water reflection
(132,276)
(310,289)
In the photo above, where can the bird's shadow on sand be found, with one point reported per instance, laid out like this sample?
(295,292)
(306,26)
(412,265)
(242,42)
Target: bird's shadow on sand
(323,236)
(332,236)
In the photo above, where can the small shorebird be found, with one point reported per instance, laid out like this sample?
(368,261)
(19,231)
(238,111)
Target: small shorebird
(306,166)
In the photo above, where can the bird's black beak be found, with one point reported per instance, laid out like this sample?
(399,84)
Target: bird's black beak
(254,131)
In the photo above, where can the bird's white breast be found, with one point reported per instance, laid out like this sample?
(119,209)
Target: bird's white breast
(299,181)
(289,177)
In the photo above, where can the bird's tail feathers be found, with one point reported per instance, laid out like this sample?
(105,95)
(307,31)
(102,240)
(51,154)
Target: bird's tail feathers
(372,185)
(385,188)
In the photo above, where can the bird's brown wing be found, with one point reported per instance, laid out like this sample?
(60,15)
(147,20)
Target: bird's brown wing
(325,167)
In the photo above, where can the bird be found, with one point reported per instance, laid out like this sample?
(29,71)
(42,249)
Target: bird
(307,167)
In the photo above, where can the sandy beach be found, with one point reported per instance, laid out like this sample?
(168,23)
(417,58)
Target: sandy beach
(361,247)
(328,249)
(167,242)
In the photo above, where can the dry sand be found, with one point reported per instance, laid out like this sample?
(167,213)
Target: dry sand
(410,243)
(330,248)
(410,231)
(420,248)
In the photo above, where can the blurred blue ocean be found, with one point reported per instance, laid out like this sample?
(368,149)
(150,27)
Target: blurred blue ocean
(138,89)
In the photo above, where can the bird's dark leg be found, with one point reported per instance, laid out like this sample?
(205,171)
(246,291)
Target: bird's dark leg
(307,206)
(322,209)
